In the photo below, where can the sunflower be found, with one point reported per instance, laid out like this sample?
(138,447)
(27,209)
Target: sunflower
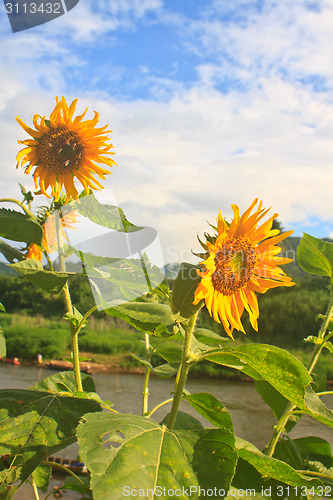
(34,252)
(241,260)
(63,148)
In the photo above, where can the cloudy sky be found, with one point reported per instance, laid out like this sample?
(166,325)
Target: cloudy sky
(211,102)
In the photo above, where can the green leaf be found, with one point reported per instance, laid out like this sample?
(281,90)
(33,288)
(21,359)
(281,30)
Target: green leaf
(115,279)
(276,402)
(269,467)
(148,317)
(42,475)
(126,452)
(184,421)
(210,408)
(73,484)
(64,382)
(278,367)
(183,290)
(315,256)
(32,270)
(3,350)
(34,425)
(109,216)
(315,448)
(271,397)
(19,227)
(171,349)
(166,370)
(10,253)
(210,338)
(316,408)
(287,451)
(2,308)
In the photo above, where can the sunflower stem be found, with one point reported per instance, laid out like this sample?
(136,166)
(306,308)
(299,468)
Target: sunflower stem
(69,308)
(182,372)
(145,391)
(288,411)
(12,200)
(34,487)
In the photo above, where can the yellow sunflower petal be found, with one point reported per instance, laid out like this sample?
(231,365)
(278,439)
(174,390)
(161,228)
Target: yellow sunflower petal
(241,263)
(67,150)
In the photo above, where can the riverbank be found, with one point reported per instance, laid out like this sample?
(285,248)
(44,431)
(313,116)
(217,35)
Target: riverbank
(115,368)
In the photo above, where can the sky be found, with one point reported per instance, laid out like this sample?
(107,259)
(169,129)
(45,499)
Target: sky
(211,102)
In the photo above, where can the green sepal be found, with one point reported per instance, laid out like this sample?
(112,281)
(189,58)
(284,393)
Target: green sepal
(28,198)
(75,318)
(183,290)
(19,227)
(32,270)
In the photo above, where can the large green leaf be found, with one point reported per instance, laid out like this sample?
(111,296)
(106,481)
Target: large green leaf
(109,216)
(32,270)
(19,227)
(276,401)
(34,425)
(315,448)
(64,382)
(278,367)
(210,408)
(127,452)
(115,280)
(148,317)
(210,338)
(269,467)
(316,408)
(10,253)
(183,290)
(315,256)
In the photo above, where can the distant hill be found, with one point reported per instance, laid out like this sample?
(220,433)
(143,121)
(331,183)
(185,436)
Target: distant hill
(289,249)
(6,271)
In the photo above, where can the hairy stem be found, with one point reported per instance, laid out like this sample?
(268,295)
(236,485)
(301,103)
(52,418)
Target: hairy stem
(146,381)
(69,309)
(12,200)
(34,487)
(182,373)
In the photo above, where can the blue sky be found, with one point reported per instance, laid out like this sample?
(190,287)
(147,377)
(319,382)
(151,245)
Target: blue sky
(211,102)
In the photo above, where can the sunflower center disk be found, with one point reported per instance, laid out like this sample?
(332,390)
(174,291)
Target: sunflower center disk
(234,264)
(60,150)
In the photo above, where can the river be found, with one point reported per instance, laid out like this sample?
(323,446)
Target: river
(252,418)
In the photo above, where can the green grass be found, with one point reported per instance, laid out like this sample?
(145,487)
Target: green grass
(109,340)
